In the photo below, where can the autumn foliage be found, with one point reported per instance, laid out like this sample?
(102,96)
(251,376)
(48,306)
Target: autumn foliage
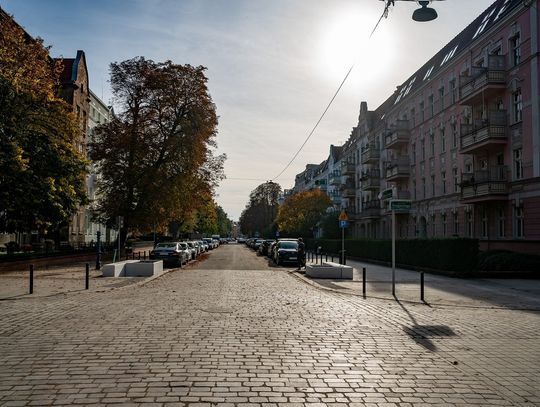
(301,212)
(41,173)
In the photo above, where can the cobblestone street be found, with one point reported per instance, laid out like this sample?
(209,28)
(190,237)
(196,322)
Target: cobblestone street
(209,336)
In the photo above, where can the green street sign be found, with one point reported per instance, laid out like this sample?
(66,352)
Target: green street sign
(400,205)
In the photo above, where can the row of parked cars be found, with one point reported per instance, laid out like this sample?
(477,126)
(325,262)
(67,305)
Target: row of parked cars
(280,251)
(179,253)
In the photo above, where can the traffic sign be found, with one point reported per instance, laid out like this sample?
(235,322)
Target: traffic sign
(400,205)
(343,216)
(343,224)
(386,194)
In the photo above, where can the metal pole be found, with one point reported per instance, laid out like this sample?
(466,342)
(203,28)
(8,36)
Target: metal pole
(31,289)
(98,250)
(326,256)
(422,286)
(87,277)
(393,252)
(364,281)
(139,255)
(145,255)
(342,245)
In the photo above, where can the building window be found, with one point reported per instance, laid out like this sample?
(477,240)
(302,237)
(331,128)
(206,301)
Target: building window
(431,103)
(423,188)
(423,148)
(443,139)
(444,226)
(470,227)
(518,164)
(433,185)
(485,223)
(413,117)
(414,189)
(518,216)
(517,106)
(433,226)
(515,49)
(413,152)
(501,223)
(432,144)
(443,182)
(441,97)
(453,90)
(454,135)
(456,223)
(422,112)
(456,179)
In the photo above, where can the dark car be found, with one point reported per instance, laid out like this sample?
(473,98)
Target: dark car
(172,253)
(263,248)
(286,251)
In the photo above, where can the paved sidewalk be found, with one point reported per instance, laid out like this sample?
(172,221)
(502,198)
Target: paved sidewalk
(203,337)
(439,290)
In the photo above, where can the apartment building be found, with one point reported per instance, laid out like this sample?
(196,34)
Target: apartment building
(460,138)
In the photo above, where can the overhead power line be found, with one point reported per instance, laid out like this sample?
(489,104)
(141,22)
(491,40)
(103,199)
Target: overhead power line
(384,14)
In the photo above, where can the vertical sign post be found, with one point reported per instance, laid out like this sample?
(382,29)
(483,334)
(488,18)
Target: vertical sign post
(343,223)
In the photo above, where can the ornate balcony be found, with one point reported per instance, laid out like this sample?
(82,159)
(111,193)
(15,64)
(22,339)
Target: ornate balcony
(398,169)
(371,180)
(334,179)
(485,185)
(370,154)
(371,209)
(484,134)
(348,169)
(398,135)
(484,82)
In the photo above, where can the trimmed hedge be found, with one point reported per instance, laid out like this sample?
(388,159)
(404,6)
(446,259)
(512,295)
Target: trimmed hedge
(504,260)
(455,254)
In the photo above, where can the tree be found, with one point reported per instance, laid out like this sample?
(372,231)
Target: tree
(42,175)
(224,224)
(156,156)
(301,212)
(260,212)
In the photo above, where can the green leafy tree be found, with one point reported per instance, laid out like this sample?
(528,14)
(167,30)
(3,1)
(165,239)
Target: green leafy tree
(260,212)
(41,173)
(155,156)
(224,224)
(301,212)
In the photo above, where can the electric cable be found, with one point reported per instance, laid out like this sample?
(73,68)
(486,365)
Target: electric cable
(384,14)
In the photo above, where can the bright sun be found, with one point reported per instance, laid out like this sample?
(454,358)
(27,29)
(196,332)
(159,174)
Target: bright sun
(346,40)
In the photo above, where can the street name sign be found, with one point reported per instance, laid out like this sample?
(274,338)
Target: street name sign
(400,205)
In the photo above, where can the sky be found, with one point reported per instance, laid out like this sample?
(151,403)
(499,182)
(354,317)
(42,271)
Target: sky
(272,66)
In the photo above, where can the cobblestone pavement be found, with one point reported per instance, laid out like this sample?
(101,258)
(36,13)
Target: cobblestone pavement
(202,337)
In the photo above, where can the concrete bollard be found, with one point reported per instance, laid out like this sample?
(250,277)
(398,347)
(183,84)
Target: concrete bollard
(422,287)
(364,281)
(87,277)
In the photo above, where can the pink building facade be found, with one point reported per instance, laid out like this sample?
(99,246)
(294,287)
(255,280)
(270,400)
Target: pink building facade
(460,138)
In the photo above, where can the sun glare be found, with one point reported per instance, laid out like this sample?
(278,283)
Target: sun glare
(346,41)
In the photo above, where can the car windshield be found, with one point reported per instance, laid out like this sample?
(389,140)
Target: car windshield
(183,245)
(288,245)
(165,245)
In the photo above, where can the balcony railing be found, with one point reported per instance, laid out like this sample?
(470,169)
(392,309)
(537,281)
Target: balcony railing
(348,192)
(483,82)
(398,168)
(370,154)
(398,134)
(371,209)
(371,179)
(485,185)
(334,179)
(348,169)
(484,133)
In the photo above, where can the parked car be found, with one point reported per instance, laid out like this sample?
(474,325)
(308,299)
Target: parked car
(194,249)
(265,245)
(286,251)
(271,249)
(172,253)
(210,242)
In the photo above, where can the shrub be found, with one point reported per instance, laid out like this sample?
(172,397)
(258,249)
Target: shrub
(12,247)
(504,260)
(456,254)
